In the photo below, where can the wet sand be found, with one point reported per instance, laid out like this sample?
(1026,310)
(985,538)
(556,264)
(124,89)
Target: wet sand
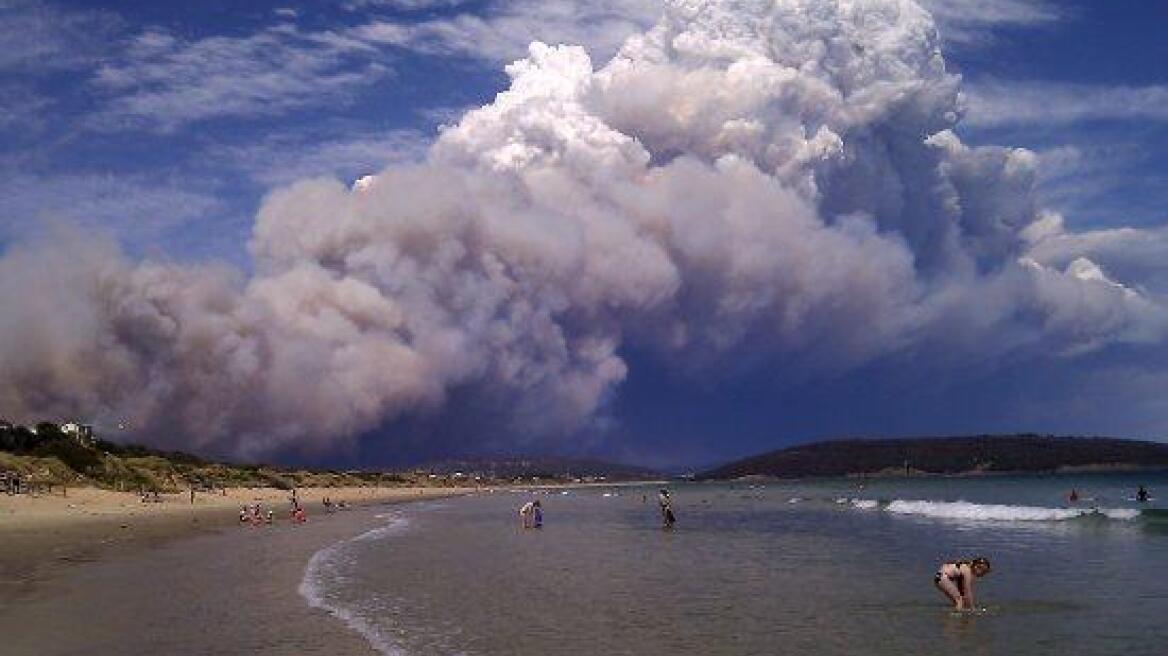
(174,580)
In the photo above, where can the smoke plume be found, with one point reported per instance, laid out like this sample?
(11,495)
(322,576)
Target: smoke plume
(768,184)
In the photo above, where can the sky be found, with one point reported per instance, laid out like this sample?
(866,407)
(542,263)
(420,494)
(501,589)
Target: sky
(378,232)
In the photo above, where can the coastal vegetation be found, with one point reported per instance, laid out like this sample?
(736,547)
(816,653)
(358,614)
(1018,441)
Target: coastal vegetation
(49,455)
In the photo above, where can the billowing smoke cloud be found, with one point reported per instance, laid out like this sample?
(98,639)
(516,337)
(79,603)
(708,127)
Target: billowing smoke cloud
(750,183)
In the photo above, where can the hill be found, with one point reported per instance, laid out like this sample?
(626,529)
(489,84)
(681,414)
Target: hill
(946,455)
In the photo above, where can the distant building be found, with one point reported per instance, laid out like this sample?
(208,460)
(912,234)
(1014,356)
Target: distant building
(83,433)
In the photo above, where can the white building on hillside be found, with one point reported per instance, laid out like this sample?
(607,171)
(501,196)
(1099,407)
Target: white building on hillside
(83,433)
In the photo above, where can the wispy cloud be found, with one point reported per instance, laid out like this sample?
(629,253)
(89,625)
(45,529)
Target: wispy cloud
(1129,254)
(400,5)
(285,158)
(998,103)
(504,30)
(164,81)
(39,37)
(973,23)
(21,109)
(137,209)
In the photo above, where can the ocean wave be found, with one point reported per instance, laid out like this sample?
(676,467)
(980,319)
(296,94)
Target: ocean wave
(965,510)
(324,562)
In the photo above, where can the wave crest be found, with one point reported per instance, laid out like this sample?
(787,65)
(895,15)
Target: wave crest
(1002,512)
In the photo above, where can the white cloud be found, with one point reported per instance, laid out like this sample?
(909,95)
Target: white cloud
(976,23)
(163,81)
(502,30)
(1003,103)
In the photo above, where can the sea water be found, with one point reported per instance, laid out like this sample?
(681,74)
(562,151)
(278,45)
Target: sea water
(824,567)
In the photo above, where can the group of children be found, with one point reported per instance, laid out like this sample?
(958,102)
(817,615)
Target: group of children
(255,515)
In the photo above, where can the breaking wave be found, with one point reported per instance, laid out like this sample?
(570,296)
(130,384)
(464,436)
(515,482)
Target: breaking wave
(1002,512)
(990,512)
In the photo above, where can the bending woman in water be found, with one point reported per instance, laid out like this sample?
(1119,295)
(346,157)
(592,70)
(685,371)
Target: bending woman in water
(955,580)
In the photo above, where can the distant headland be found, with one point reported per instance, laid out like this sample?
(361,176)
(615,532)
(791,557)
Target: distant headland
(947,455)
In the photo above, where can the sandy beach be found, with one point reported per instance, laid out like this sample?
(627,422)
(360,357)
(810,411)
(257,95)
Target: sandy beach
(133,568)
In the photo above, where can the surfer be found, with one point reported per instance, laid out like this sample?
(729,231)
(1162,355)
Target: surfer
(1142,494)
(666,504)
(1073,496)
(955,580)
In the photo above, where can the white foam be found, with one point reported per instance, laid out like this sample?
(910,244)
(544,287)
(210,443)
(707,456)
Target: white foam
(1001,513)
(324,561)
(1119,513)
(864,504)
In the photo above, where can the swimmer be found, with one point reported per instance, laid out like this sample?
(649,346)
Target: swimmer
(955,580)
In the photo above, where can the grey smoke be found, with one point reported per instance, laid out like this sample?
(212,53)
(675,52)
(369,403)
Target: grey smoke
(775,182)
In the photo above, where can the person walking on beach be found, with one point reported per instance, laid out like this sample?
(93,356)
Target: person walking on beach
(536,515)
(667,517)
(955,580)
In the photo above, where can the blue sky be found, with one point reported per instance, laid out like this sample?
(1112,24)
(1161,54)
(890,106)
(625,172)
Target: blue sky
(166,124)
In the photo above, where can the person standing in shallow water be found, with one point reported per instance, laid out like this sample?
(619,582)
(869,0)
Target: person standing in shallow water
(666,503)
(955,580)
(527,514)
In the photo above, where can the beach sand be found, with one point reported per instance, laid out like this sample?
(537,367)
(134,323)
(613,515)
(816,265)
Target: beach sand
(99,572)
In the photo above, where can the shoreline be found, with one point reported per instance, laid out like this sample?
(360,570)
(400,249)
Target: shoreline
(179,586)
(44,537)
